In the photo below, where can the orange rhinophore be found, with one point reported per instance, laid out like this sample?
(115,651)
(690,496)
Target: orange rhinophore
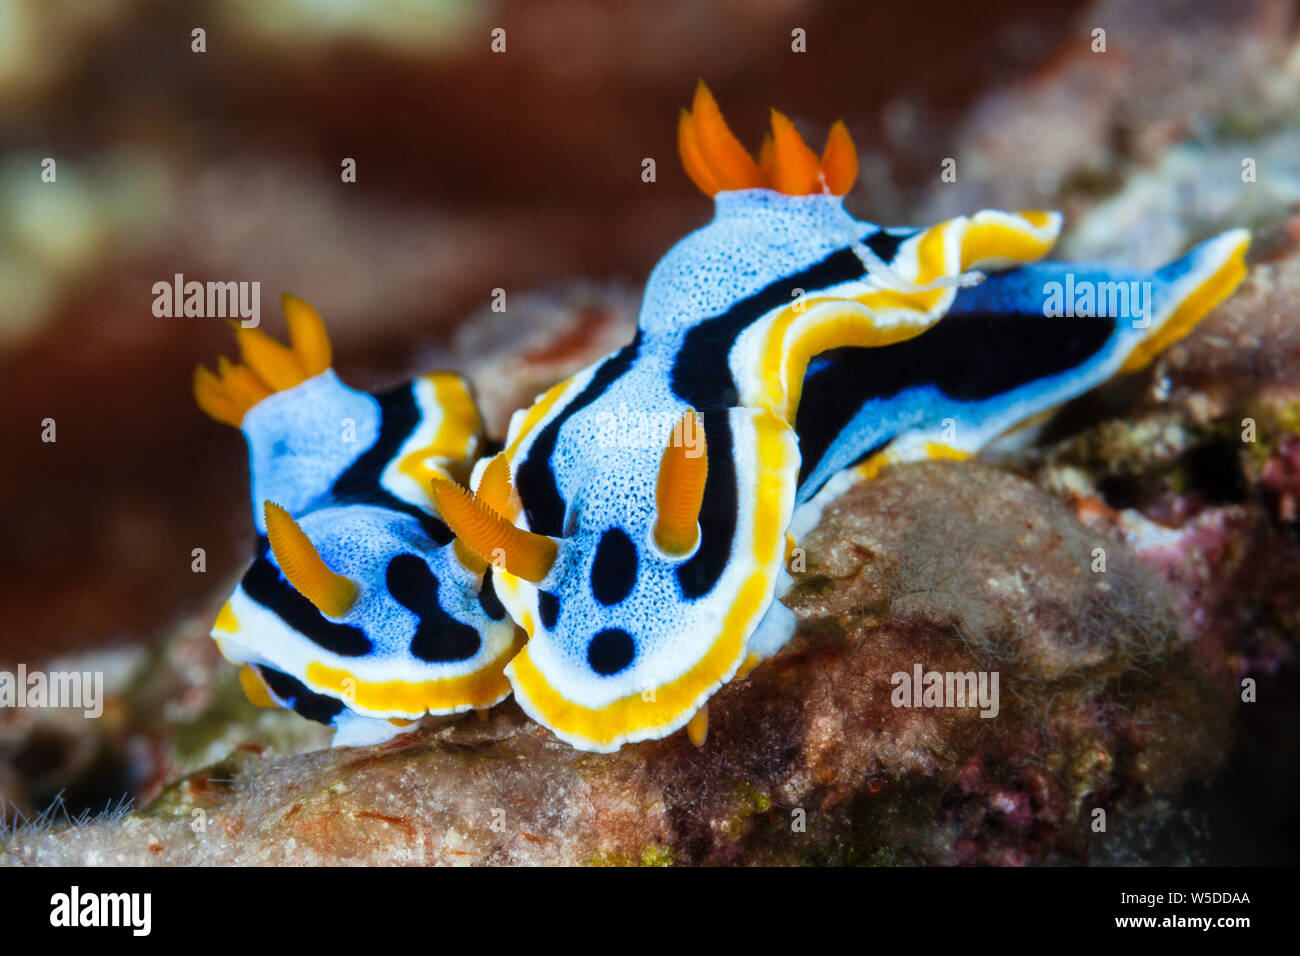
(679,491)
(302,566)
(490,536)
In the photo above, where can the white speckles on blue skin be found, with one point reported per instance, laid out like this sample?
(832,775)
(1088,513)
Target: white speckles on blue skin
(670,634)
(301,439)
(615,487)
(757,236)
(359,541)
(611,483)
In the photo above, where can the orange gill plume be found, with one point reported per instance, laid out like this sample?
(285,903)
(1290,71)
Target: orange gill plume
(490,537)
(267,365)
(716,161)
(679,492)
(303,566)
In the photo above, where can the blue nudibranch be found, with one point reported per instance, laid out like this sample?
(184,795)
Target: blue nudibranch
(356,611)
(621,558)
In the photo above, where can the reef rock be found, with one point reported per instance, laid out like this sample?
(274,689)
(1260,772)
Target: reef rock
(949,567)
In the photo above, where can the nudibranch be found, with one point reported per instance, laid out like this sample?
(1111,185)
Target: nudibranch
(634,528)
(357,610)
(640,513)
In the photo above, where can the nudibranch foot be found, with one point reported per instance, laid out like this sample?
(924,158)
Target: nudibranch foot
(267,687)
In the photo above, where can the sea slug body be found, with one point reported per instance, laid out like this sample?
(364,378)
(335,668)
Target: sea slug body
(614,573)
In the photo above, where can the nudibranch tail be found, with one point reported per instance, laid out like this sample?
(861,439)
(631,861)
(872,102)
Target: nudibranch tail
(1009,351)
(698,728)
(717,162)
(1192,286)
